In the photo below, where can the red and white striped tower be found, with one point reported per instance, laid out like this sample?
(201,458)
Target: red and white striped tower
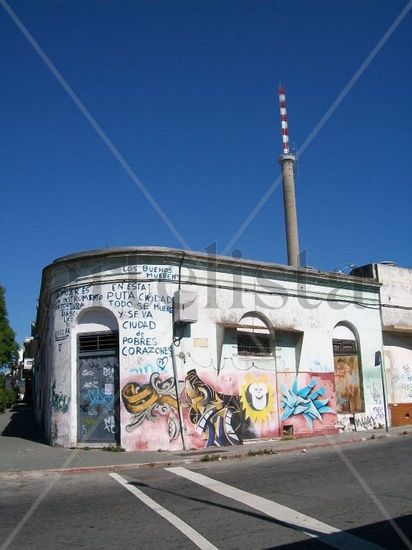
(287,162)
(283,120)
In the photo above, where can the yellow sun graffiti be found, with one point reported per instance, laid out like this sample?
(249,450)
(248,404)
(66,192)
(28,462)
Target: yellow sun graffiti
(257,396)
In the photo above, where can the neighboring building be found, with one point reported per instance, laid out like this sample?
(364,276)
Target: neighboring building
(396,302)
(22,374)
(29,353)
(156,348)
(15,378)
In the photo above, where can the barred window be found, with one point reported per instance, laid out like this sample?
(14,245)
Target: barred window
(98,342)
(254,343)
(254,337)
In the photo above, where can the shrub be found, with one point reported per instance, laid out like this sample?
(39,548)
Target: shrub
(7,399)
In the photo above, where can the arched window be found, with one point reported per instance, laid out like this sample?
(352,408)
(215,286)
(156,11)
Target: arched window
(254,336)
(96,319)
(348,380)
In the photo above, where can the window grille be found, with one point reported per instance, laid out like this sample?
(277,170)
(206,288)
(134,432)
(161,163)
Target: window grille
(98,342)
(254,343)
(344,347)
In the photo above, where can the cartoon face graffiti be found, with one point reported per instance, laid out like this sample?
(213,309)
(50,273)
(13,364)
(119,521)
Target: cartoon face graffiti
(257,396)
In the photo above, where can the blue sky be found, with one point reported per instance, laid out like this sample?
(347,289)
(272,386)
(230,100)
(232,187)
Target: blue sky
(187,92)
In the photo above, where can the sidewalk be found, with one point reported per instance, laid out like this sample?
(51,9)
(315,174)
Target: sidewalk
(23,451)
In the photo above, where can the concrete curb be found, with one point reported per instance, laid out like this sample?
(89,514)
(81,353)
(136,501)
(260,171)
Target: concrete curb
(244,452)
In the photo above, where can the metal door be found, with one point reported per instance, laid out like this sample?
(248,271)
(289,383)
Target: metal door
(348,382)
(97,380)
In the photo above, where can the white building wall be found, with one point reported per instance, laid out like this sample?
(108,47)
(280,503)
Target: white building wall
(396,297)
(203,361)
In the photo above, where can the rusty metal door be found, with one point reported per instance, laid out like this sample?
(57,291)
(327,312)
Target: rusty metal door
(97,382)
(348,383)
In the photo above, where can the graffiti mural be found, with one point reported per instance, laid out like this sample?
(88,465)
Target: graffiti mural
(304,402)
(59,401)
(256,396)
(216,416)
(148,401)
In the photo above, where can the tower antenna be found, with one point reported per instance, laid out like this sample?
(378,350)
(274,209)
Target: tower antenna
(283,120)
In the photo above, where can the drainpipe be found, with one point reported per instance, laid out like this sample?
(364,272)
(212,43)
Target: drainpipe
(175,338)
(380,356)
(379,361)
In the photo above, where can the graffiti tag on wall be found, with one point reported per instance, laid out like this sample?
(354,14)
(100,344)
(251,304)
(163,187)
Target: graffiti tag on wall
(94,397)
(59,401)
(403,382)
(304,402)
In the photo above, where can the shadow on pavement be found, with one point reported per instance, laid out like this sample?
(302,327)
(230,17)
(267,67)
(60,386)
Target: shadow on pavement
(380,533)
(23,424)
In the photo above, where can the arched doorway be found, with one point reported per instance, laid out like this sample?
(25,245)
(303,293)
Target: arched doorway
(348,380)
(98,377)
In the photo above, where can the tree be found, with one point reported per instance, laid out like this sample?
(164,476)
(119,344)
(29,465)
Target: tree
(8,345)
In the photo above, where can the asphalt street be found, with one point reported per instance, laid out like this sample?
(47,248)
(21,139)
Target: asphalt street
(356,496)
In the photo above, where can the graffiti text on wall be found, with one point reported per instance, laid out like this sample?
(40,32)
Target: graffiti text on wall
(146,368)
(152,271)
(137,305)
(138,296)
(403,381)
(375,393)
(70,301)
(148,401)
(140,345)
(59,401)
(304,402)
(217,416)
(61,334)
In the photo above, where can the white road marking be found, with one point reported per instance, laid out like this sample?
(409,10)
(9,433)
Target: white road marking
(190,533)
(296,520)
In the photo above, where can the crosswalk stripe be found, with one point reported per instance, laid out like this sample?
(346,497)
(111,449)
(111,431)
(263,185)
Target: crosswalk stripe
(292,518)
(183,527)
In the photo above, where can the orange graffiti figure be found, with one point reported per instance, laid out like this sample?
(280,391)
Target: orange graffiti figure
(146,402)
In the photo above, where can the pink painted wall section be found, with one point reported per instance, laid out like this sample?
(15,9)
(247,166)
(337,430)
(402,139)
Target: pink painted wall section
(307,402)
(225,409)
(211,410)
(149,413)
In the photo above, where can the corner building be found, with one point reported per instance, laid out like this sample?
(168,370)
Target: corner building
(156,348)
